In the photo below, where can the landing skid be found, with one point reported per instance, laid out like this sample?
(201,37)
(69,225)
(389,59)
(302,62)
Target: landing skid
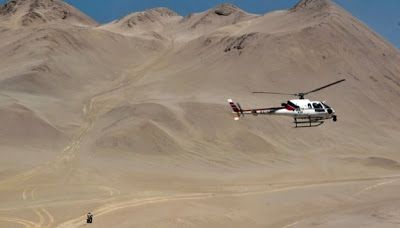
(307,123)
(315,124)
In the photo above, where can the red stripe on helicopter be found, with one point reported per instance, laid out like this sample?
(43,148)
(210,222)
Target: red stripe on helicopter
(290,108)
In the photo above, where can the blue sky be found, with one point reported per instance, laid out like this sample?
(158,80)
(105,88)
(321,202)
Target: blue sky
(381,15)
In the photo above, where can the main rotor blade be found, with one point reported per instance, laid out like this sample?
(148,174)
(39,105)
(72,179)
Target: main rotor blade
(290,94)
(323,87)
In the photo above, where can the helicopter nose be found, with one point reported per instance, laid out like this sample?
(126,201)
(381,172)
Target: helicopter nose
(330,111)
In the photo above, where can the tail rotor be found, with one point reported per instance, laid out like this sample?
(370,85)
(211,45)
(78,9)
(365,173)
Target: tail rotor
(240,109)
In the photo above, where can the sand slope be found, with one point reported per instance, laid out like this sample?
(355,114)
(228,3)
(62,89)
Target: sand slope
(129,119)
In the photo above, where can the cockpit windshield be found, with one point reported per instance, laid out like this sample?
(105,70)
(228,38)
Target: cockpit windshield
(326,106)
(318,107)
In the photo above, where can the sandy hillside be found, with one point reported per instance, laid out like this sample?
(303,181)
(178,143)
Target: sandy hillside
(129,119)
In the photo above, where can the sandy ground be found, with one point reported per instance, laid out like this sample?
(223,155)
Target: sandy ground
(129,120)
(366,202)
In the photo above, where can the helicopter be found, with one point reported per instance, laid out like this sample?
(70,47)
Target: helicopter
(306,113)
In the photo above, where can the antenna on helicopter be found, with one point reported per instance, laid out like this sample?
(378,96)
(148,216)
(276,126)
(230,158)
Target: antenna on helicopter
(302,94)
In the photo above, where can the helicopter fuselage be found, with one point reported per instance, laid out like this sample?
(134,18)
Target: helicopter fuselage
(303,109)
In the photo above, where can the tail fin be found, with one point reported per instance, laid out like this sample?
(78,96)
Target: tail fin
(237,110)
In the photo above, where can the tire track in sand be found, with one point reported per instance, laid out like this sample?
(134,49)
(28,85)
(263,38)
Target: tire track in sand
(201,196)
(69,153)
(45,219)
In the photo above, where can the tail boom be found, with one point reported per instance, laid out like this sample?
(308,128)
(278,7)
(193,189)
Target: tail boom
(239,112)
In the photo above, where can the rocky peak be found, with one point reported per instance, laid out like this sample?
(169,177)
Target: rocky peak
(9,7)
(155,15)
(311,5)
(12,6)
(41,11)
(219,16)
(226,9)
(162,11)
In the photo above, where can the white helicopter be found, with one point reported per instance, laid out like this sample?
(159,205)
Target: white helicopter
(306,113)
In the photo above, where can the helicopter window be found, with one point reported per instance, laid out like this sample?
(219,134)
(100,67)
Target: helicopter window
(318,107)
(309,106)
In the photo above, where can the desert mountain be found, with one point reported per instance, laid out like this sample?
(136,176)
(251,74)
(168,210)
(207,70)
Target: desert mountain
(147,20)
(133,114)
(219,16)
(312,5)
(163,23)
(151,23)
(36,12)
